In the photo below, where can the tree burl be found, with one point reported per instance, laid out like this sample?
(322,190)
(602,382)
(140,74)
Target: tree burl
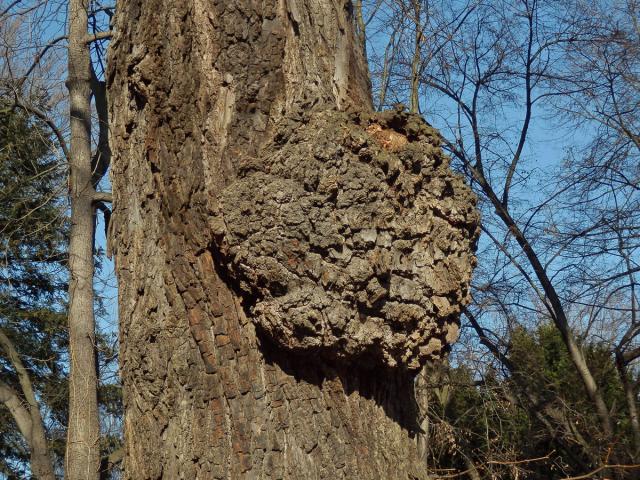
(350,237)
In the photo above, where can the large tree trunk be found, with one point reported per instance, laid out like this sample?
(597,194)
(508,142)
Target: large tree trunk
(205,95)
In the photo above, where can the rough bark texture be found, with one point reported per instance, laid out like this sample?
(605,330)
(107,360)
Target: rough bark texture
(226,114)
(351,238)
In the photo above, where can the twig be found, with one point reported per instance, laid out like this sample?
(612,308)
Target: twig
(603,467)
(93,37)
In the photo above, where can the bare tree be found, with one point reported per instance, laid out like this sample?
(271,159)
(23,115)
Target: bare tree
(86,168)
(602,182)
(560,238)
(28,417)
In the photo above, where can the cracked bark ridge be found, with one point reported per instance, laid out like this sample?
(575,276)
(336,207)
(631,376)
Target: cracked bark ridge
(350,237)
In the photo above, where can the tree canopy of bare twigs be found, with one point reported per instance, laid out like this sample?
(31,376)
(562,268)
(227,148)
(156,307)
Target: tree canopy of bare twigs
(537,102)
(51,73)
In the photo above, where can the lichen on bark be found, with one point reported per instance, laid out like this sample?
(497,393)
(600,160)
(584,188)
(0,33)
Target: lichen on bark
(351,238)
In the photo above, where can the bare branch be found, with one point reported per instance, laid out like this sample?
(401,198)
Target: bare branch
(39,56)
(603,468)
(20,414)
(23,374)
(19,102)
(9,7)
(94,37)
(106,197)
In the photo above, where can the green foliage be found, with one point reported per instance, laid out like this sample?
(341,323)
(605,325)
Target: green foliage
(483,424)
(32,228)
(543,363)
(32,274)
(544,366)
(488,418)
(33,289)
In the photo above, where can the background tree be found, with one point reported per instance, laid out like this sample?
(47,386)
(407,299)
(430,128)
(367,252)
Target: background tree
(510,83)
(32,310)
(537,101)
(35,44)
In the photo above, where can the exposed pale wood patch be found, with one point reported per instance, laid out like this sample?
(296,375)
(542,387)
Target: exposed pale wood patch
(388,139)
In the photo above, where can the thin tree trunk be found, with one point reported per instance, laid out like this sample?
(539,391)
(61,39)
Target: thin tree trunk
(389,55)
(82,459)
(195,93)
(631,399)
(27,415)
(554,306)
(414,105)
(622,364)
(360,27)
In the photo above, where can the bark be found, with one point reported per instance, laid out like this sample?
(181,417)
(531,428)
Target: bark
(82,457)
(226,117)
(631,399)
(417,56)
(27,414)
